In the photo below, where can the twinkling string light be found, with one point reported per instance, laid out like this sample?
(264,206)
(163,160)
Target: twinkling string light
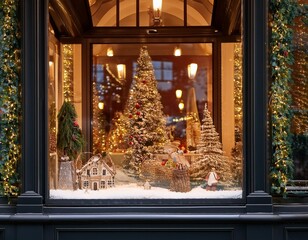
(282,14)
(99,133)
(238,91)
(68,69)
(10,100)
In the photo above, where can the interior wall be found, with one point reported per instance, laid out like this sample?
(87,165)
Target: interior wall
(227,95)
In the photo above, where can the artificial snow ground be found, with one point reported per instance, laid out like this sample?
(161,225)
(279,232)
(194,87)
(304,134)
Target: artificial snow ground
(133,191)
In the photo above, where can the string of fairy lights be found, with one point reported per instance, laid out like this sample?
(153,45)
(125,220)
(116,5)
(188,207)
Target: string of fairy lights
(68,72)
(10,100)
(238,91)
(282,15)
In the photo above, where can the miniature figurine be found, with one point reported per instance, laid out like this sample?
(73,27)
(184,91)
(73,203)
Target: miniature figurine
(147,185)
(212,180)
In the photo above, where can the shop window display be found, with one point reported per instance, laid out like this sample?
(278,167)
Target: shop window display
(152,131)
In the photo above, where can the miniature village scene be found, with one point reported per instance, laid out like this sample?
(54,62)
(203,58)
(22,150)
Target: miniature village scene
(145,154)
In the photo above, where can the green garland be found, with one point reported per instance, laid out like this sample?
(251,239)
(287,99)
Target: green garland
(282,14)
(10,100)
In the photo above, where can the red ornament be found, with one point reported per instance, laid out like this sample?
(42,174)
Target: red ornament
(144,82)
(286,53)
(137,105)
(130,116)
(75,123)
(138,113)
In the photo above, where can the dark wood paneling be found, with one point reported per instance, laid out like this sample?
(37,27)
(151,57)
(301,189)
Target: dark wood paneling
(149,234)
(296,233)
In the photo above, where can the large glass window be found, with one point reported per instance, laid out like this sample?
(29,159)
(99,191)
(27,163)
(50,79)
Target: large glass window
(152,133)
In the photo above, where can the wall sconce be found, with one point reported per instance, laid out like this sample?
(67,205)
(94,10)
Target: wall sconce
(178,93)
(181,106)
(177,51)
(156,14)
(192,70)
(110,52)
(121,68)
(101,105)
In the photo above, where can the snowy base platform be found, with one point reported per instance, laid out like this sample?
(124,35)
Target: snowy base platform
(133,191)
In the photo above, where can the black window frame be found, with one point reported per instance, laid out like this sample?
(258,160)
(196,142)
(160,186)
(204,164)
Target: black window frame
(34,193)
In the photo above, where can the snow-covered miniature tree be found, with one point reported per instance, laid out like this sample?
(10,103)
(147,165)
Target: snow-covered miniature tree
(212,154)
(146,133)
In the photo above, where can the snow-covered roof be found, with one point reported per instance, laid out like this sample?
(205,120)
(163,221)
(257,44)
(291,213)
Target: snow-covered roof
(97,158)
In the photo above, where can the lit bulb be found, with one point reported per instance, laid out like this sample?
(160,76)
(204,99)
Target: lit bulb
(101,105)
(178,93)
(181,106)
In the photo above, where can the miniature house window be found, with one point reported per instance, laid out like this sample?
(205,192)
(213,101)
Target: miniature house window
(94,171)
(103,184)
(104,172)
(86,184)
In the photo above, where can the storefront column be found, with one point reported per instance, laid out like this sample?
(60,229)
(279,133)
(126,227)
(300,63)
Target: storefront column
(34,77)
(255,71)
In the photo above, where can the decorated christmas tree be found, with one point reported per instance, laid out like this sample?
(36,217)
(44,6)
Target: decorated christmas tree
(69,139)
(212,154)
(146,133)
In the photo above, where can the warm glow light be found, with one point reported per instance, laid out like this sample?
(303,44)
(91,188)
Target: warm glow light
(110,52)
(177,51)
(157,5)
(178,93)
(101,105)
(50,63)
(181,106)
(121,71)
(192,70)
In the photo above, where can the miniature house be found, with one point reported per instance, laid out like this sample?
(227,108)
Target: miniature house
(97,173)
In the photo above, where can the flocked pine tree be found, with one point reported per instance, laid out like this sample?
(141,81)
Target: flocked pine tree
(212,154)
(146,133)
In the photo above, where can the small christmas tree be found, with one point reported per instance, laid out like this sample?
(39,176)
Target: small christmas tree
(99,120)
(212,155)
(116,141)
(146,133)
(69,140)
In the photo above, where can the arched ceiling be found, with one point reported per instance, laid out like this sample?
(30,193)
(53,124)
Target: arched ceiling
(199,13)
(74,18)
